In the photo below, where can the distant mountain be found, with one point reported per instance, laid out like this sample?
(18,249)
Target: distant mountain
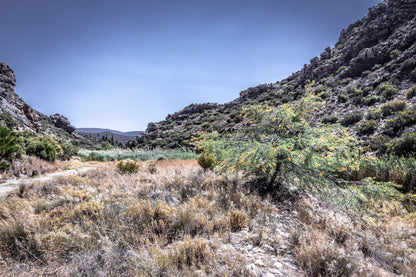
(368,83)
(100,130)
(113,136)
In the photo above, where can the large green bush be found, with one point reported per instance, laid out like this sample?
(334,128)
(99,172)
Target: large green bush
(388,90)
(43,148)
(405,146)
(367,127)
(352,118)
(393,107)
(394,126)
(8,148)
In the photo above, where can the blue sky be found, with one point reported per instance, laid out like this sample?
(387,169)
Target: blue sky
(122,64)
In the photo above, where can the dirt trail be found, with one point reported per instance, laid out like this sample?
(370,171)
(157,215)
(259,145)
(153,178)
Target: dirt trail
(13,184)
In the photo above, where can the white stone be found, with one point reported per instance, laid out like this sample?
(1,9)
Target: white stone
(278,265)
(253,269)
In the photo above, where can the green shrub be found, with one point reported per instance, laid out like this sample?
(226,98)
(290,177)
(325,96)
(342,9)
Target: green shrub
(342,98)
(374,113)
(413,74)
(395,125)
(367,127)
(393,107)
(370,100)
(42,147)
(367,90)
(8,120)
(365,73)
(352,118)
(394,53)
(206,160)
(345,81)
(128,167)
(341,68)
(8,148)
(388,90)
(408,64)
(404,146)
(330,119)
(375,67)
(378,143)
(411,93)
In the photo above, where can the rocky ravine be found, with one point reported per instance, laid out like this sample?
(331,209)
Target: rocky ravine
(377,50)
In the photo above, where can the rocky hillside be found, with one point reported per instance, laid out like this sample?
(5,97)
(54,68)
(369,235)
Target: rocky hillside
(367,81)
(16,114)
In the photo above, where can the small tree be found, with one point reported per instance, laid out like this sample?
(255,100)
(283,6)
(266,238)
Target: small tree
(8,148)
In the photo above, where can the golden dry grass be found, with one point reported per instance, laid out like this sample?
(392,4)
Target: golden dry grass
(172,218)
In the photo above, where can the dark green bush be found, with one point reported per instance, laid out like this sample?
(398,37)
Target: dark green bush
(365,73)
(42,148)
(378,143)
(330,119)
(393,107)
(8,148)
(370,100)
(206,160)
(395,125)
(405,146)
(352,118)
(367,127)
(128,167)
(341,68)
(388,90)
(374,113)
(342,98)
(411,93)
(8,120)
(408,64)
(394,53)
(375,67)
(367,90)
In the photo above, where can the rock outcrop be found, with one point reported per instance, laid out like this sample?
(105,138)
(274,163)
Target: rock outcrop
(371,53)
(62,122)
(18,115)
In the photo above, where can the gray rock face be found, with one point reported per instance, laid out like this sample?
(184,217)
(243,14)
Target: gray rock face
(62,122)
(192,109)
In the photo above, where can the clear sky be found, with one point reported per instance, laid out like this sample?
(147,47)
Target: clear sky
(121,64)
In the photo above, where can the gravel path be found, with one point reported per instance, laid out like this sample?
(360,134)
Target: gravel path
(12,184)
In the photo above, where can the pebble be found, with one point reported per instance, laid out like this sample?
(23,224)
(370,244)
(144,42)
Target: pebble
(268,248)
(253,269)
(259,262)
(278,265)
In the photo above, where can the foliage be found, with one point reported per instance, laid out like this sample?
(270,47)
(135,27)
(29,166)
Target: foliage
(330,119)
(367,127)
(43,148)
(404,146)
(388,90)
(8,148)
(127,167)
(394,126)
(410,63)
(411,93)
(206,160)
(352,118)
(393,107)
(374,113)
(342,98)
(118,154)
(278,142)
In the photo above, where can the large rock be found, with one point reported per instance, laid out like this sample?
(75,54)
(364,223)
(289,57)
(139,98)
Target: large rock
(62,122)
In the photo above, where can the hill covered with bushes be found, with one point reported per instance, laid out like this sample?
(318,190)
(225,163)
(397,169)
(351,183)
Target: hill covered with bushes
(367,82)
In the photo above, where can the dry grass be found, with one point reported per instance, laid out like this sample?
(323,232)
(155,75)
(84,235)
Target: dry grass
(163,222)
(32,166)
(380,243)
(172,218)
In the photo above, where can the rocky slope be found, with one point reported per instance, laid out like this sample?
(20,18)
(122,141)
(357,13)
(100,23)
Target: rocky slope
(16,114)
(372,65)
